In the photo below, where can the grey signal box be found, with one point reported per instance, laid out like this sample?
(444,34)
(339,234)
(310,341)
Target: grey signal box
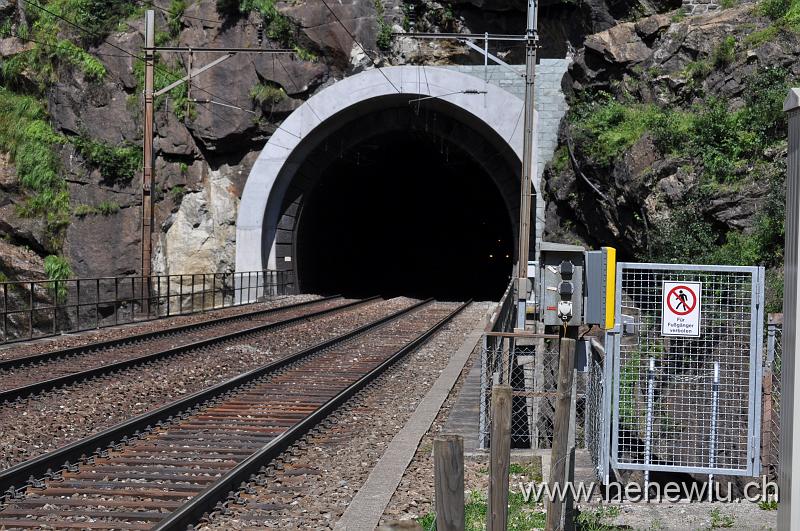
(561,284)
(600,279)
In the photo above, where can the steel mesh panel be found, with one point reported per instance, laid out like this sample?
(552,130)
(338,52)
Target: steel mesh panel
(534,380)
(595,415)
(776,397)
(670,414)
(772,400)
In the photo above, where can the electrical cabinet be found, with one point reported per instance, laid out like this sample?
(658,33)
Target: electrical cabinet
(561,284)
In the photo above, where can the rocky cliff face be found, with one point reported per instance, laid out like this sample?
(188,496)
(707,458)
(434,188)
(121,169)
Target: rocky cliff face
(75,95)
(674,149)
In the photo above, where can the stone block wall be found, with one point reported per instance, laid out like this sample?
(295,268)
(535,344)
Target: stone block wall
(698,7)
(549,100)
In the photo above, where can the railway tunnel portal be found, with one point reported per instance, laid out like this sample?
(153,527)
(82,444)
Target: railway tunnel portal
(399,181)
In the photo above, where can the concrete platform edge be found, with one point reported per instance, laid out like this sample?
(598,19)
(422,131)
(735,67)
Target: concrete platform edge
(367,507)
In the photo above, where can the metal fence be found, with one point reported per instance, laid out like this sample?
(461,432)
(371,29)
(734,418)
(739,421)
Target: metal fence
(771,397)
(688,404)
(42,308)
(529,363)
(598,407)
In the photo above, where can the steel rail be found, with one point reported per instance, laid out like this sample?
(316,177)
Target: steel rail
(17,476)
(16,363)
(67,379)
(189,513)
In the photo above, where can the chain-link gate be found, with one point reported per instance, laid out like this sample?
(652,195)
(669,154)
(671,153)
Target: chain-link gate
(687,400)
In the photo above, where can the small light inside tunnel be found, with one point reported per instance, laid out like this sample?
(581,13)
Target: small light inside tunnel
(507,256)
(491,256)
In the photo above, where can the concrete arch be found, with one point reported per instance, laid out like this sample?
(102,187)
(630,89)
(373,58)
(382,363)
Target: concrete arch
(270,198)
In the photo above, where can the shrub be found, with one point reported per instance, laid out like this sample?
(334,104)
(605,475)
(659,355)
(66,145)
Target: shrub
(775,9)
(84,210)
(384,38)
(114,163)
(57,268)
(278,26)
(607,127)
(267,93)
(28,138)
(107,208)
(764,92)
(304,55)
(725,52)
(177,193)
(176,8)
(719,139)
(670,129)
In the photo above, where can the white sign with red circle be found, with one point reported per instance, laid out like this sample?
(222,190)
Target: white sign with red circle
(680,309)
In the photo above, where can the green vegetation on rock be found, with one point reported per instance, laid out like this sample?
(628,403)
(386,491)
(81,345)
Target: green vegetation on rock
(606,128)
(56,43)
(165,74)
(785,17)
(267,93)
(105,208)
(726,145)
(384,38)
(28,138)
(277,26)
(57,268)
(114,162)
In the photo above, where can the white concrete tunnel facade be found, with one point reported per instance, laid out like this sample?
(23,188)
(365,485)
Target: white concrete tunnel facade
(263,194)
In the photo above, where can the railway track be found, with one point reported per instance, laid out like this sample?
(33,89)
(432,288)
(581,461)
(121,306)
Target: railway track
(25,376)
(170,466)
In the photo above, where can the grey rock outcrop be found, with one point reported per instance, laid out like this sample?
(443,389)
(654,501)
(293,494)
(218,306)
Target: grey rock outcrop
(649,62)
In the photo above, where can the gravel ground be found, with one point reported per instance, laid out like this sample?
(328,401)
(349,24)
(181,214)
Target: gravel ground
(311,488)
(32,373)
(414,495)
(686,516)
(37,346)
(36,425)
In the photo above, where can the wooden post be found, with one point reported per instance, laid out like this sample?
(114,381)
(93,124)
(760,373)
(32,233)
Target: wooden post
(500,458)
(561,432)
(448,473)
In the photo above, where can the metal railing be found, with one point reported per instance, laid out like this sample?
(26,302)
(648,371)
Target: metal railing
(528,362)
(492,356)
(41,308)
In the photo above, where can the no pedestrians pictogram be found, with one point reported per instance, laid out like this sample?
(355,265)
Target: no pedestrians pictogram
(681,300)
(680,309)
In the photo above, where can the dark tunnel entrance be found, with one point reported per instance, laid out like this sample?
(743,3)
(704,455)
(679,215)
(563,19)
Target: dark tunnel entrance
(405,213)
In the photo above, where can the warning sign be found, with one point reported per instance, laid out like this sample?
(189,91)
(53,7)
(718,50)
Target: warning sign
(680,309)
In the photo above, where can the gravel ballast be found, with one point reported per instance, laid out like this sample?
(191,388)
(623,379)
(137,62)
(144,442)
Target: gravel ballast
(76,339)
(312,488)
(36,425)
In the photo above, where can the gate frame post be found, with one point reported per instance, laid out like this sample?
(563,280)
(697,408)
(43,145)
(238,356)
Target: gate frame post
(788,483)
